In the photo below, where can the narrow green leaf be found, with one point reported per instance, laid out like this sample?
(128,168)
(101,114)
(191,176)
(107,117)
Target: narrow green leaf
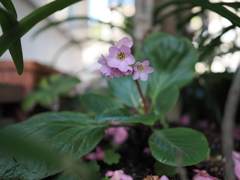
(165,100)
(10,7)
(163,169)
(125,89)
(98,103)
(111,157)
(30,21)
(7,21)
(187,144)
(121,115)
(69,133)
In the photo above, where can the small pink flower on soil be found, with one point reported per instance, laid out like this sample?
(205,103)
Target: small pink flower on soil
(120,134)
(142,70)
(97,156)
(118,175)
(120,58)
(185,120)
(202,175)
(237,170)
(147,150)
(150,177)
(124,42)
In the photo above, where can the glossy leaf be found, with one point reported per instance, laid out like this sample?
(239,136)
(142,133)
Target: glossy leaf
(69,133)
(187,144)
(98,103)
(163,169)
(15,33)
(121,115)
(125,89)
(9,7)
(173,60)
(7,21)
(166,99)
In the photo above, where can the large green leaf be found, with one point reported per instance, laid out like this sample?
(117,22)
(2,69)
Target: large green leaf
(121,115)
(15,33)
(69,133)
(187,144)
(163,169)
(126,90)
(173,60)
(165,100)
(7,21)
(98,103)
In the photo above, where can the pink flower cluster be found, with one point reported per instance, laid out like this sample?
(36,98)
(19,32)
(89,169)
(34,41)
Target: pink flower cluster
(120,61)
(97,156)
(236,161)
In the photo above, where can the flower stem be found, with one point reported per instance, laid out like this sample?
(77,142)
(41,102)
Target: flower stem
(143,98)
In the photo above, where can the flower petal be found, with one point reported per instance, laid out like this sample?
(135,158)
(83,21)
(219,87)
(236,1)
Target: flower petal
(123,66)
(113,62)
(143,76)
(113,51)
(145,63)
(130,59)
(149,69)
(135,75)
(125,49)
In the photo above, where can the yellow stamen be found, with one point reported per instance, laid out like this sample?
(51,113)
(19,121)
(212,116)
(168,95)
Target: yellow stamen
(121,56)
(140,67)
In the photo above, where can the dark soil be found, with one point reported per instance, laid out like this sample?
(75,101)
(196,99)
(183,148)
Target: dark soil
(138,164)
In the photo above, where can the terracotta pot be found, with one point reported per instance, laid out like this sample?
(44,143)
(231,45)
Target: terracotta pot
(30,77)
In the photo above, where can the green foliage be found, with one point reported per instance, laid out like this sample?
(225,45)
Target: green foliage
(125,89)
(163,169)
(98,103)
(12,36)
(68,133)
(106,178)
(111,157)
(7,21)
(49,89)
(173,60)
(93,165)
(184,144)
(121,115)
(166,99)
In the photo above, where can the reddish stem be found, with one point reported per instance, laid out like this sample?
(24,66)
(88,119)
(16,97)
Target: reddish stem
(143,98)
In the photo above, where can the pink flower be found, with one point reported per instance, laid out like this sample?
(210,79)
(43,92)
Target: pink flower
(237,170)
(185,120)
(124,42)
(105,69)
(156,178)
(202,175)
(120,58)
(147,150)
(118,175)
(142,70)
(119,134)
(98,155)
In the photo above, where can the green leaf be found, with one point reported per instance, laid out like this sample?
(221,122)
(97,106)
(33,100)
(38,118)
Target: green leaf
(191,146)
(121,115)
(163,169)
(125,89)
(8,21)
(166,99)
(10,7)
(98,103)
(106,178)
(111,157)
(93,165)
(69,133)
(217,8)
(173,60)
(15,33)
